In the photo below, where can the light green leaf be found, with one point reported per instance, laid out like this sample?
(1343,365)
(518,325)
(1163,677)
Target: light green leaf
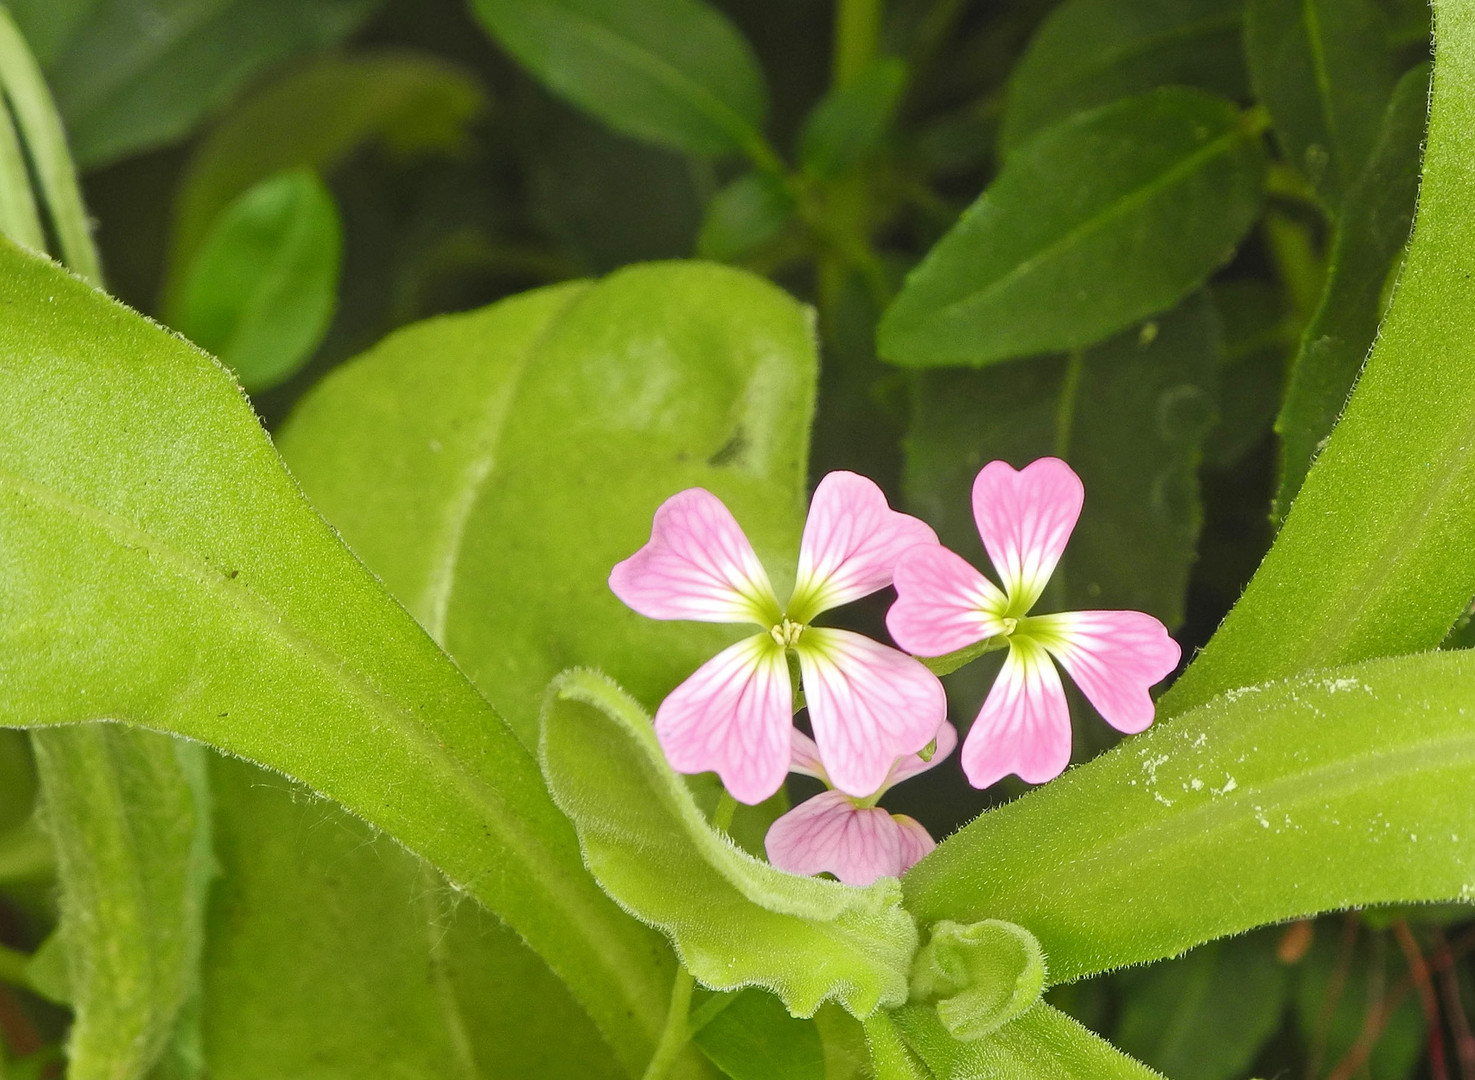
(492,467)
(1095,223)
(129,817)
(1372,229)
(1338,788)
(1043,1043)
(1091,52)
(754,1038)
(744,216)
(978,977)
(336,954)
(671,72)
(1206,1015)
(131,75)
(1374,557)
(316,116)
(1325,71)
(131,467)
(1129,415)
(851,122)
(261,290)
(735,921)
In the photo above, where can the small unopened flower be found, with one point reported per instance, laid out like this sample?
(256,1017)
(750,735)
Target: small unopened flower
(868,703)
(943,605)
(852,838)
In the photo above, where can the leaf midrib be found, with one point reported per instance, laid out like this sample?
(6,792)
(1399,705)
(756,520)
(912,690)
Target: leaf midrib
(273,623)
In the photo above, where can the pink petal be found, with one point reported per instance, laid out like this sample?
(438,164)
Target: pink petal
(1114,657)
(915,841)
(1025,519)
(733,717)
(830,834)
(852,539)
(697,565)
(868,705)
(804,755)
(942,603)
(913,765)
(1024,726)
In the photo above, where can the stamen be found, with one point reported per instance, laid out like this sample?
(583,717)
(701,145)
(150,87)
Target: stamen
(1010,625)
(787,633)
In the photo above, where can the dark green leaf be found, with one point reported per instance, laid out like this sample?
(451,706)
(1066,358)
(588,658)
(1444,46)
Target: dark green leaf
(129,816)
(493,467)
(1129,416)
(130,466)
(1095,223)
(1206,1015)
(1091,52)
(1043,1043)
(131,75)
(744,216)
(735,920)
(1372,229)
(1374,557)
(316,116)
(1339,788)
(1259,335)
(1324,70)
(260,291)
(672,72)
(334,953)
(754,1038)
(851,122)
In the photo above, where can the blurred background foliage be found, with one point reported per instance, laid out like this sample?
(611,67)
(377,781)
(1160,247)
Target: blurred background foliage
(1154,237)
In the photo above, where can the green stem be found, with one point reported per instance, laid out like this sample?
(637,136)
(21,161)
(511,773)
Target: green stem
(857,33)
(891,1058)
(675,1034)
(40,126)
(1065,409)
(726,807)
(19,218)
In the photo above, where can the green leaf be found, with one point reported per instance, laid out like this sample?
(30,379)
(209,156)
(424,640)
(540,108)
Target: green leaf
(17,781)
(1129,415)
(1325,71)
(1372,229)
(1259,336)
(131,467)
(851,122)
(316,116)
(978,977)
(735,921)
(260,291)
(747,214)
(1091,52)
(333,952)
(1042,1043)
(129,816)
(1095,223)
(1334,789)
(492,467)
(754,1038)
(1374,557)
(672,72)
(131,75)
(1206,1015)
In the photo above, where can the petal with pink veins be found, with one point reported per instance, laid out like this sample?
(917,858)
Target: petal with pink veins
(913,765)
(697,565)
(915,841)
(942,603)
(1024,726)
(852,539)
(1114,657)
(732,716)
(830,834)
(1025,518)
(804,755)
(868,705)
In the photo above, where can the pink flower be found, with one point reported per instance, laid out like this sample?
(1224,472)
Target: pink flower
(854,839)
(869,704)
(943,604)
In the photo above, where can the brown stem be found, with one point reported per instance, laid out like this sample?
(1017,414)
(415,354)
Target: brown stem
(1454,1006)
(1334,990)
(1438,1068)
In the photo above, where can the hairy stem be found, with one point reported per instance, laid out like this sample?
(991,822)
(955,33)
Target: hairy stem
(676,1033)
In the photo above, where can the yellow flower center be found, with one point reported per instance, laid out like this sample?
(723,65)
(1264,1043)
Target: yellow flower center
(787,633)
